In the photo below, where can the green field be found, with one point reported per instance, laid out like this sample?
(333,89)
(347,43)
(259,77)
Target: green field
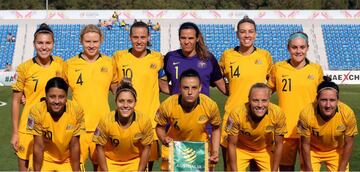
(8,160)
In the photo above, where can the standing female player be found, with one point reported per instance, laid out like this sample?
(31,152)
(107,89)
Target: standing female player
(193,55)
(295,80)
(90,76)
(32,76)
(140,64)
(243,66)
(56,125)
(123,137)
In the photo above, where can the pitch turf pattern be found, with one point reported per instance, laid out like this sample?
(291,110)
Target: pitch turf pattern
(8,161)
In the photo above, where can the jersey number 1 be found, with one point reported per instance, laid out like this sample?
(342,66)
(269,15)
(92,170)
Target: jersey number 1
(176,72)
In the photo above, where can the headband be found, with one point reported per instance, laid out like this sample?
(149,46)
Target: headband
(298,35)
(125,89)
(327,88)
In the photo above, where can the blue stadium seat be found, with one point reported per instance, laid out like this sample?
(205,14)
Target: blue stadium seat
(272,37)
(342,44)
(7,48)
(67,38)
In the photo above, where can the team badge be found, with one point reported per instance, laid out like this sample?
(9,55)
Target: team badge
(259,62)
(300,125)
(58,73)
(153,66)
(311,77)
(69,127)
(138,136)
(97,131)
(229,123)
(201,65)
(157,113)
(104,69)
(341,128)
(269,128)
(202,118)
(30,122)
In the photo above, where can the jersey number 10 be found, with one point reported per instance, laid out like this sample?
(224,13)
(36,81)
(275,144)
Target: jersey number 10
(127,73)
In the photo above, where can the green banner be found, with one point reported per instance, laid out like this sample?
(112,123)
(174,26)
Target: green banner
(188,156)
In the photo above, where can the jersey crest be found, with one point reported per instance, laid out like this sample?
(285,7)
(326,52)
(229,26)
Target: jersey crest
(30,122)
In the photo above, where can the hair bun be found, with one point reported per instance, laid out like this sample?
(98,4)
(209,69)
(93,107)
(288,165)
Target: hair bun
(327,79)
(126,82)
(125,85)
(44,27)
(327,83)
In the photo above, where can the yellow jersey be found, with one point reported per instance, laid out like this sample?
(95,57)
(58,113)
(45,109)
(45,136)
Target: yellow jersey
(242,72)
(57,134)
(255,136)
(143,73)
(188,126)
(295,89)
(31,79)
(90,85)
(327,135)
(123,144)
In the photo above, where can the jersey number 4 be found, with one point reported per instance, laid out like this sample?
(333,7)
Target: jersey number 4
(80,80)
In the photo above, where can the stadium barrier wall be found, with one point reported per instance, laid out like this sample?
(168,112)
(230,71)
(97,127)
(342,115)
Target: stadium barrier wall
(339,77)
(180,14)
(344,77)
(7,78)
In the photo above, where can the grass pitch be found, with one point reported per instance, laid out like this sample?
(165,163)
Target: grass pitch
(349,94)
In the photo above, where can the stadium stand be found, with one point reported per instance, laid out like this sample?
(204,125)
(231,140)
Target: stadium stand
(273,37)
(219,37)
(341,41)
(7,47)
(67,40)
(342,44)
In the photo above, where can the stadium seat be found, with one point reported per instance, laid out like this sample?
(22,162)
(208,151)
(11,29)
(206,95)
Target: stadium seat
(342,44)
(7,48)
(67,38)
(272,37)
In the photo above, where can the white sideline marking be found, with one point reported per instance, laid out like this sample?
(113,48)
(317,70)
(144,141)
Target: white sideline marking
(2,103)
